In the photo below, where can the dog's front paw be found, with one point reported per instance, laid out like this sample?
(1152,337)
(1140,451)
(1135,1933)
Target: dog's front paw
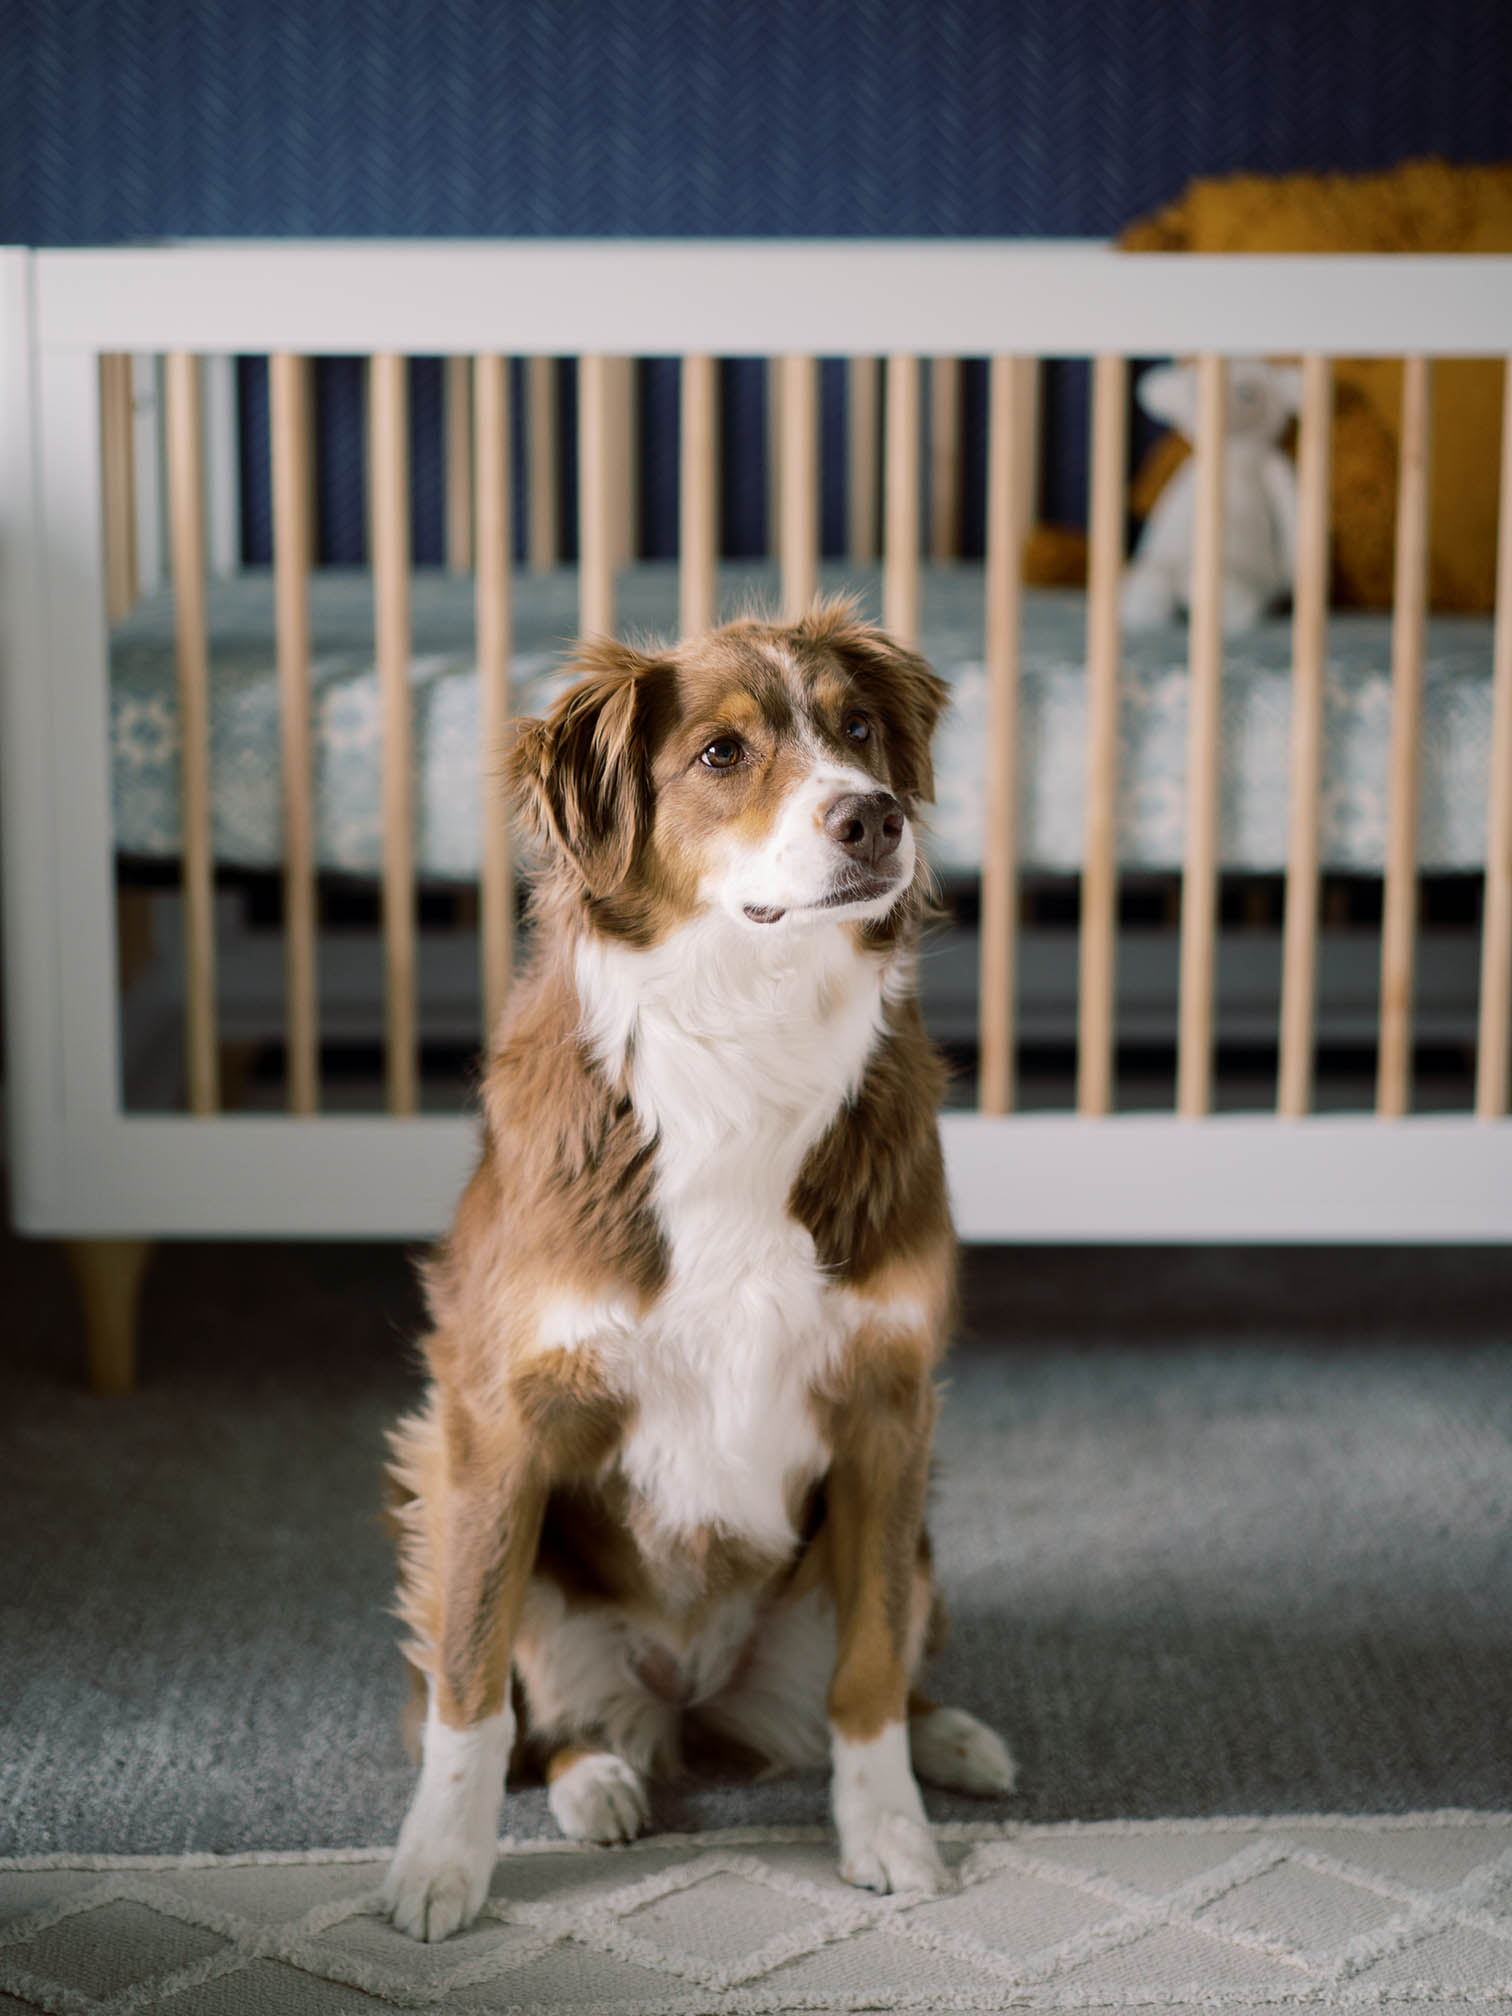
(599,1798)
(885,1842)
(436,1886)
(893,1851)
(450,1837)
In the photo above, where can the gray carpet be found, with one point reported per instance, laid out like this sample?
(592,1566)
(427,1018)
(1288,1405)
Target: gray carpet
(1223,1533)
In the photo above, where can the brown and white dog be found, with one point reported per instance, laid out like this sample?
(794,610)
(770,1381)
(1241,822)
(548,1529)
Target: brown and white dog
(667,1487)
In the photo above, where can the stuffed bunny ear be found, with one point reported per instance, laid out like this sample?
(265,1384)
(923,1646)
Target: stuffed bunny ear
(1169,393)
(1288,383)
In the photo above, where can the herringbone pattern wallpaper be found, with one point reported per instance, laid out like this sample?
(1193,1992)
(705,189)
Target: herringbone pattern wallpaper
(123,119)
(127,118)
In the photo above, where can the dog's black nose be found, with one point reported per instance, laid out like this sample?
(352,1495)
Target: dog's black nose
(868,826)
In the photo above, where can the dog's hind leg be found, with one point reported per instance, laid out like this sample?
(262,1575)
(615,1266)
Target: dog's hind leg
(773,1707)
(471,1492)
(954,1750)
(596,1796)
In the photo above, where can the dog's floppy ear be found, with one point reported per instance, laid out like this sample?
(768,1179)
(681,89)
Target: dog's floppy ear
(897,682)
(581,778)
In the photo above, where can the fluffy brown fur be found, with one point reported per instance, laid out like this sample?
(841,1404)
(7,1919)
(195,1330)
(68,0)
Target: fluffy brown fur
(508,1480)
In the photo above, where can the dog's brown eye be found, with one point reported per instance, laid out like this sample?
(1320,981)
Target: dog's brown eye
(723,753)
(857,728)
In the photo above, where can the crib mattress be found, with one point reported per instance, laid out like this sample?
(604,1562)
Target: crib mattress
(244,729)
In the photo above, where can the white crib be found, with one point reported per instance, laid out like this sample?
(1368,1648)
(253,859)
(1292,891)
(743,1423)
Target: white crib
(86,1169)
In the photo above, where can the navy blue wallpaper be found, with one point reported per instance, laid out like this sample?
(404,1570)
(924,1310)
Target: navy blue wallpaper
(127,118)
(139,118)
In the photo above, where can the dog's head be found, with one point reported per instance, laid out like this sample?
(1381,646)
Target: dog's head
(770,771)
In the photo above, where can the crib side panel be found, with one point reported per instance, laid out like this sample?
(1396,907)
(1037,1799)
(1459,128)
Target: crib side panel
(1031,1175)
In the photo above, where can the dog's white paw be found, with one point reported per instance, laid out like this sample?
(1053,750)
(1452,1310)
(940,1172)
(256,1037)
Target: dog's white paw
(599,1798)
(885,1842)
(953,1749)
(449,1842)
(894,1851)
(436,1886)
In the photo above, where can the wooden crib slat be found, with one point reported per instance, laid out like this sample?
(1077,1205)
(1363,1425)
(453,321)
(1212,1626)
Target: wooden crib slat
(1005,537)
(459,475)
(118,476)
(495,559)
(289,414)
(187,544)
(1099,890)
(901,502)
(1199,879)
(863,377)
(698,499)
(1408,621)
(798,473)
(541,481)
(1299,961)
(596,519)
(1495,1035)
(944,457)
(389,457)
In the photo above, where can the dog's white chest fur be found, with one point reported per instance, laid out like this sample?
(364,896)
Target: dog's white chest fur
(740,1054)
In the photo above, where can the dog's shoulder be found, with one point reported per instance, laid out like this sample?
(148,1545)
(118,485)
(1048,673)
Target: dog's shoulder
(872,1190)
(550,1113)
(565,1168)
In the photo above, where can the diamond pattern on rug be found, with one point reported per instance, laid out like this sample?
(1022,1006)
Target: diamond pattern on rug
(128,1944)
(1233,1914)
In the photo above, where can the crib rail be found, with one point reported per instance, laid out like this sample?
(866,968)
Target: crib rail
(76,321)
(769,298)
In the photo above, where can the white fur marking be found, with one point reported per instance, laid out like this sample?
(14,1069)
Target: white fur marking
(899,1316)
(885,1842)
(741,1047)
(599,1798)
(569,1322)
(438,1878)
(794,867)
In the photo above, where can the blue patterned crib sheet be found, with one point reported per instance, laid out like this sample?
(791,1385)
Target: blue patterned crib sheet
(450,766)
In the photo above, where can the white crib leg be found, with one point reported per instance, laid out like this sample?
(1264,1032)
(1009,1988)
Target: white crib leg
(108,1275)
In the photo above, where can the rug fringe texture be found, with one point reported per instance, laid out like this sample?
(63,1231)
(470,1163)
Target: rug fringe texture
(1328,1910)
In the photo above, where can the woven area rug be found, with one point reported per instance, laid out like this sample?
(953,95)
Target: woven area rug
(1231,1914)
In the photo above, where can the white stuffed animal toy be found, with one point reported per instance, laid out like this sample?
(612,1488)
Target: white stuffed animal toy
(1259,499)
